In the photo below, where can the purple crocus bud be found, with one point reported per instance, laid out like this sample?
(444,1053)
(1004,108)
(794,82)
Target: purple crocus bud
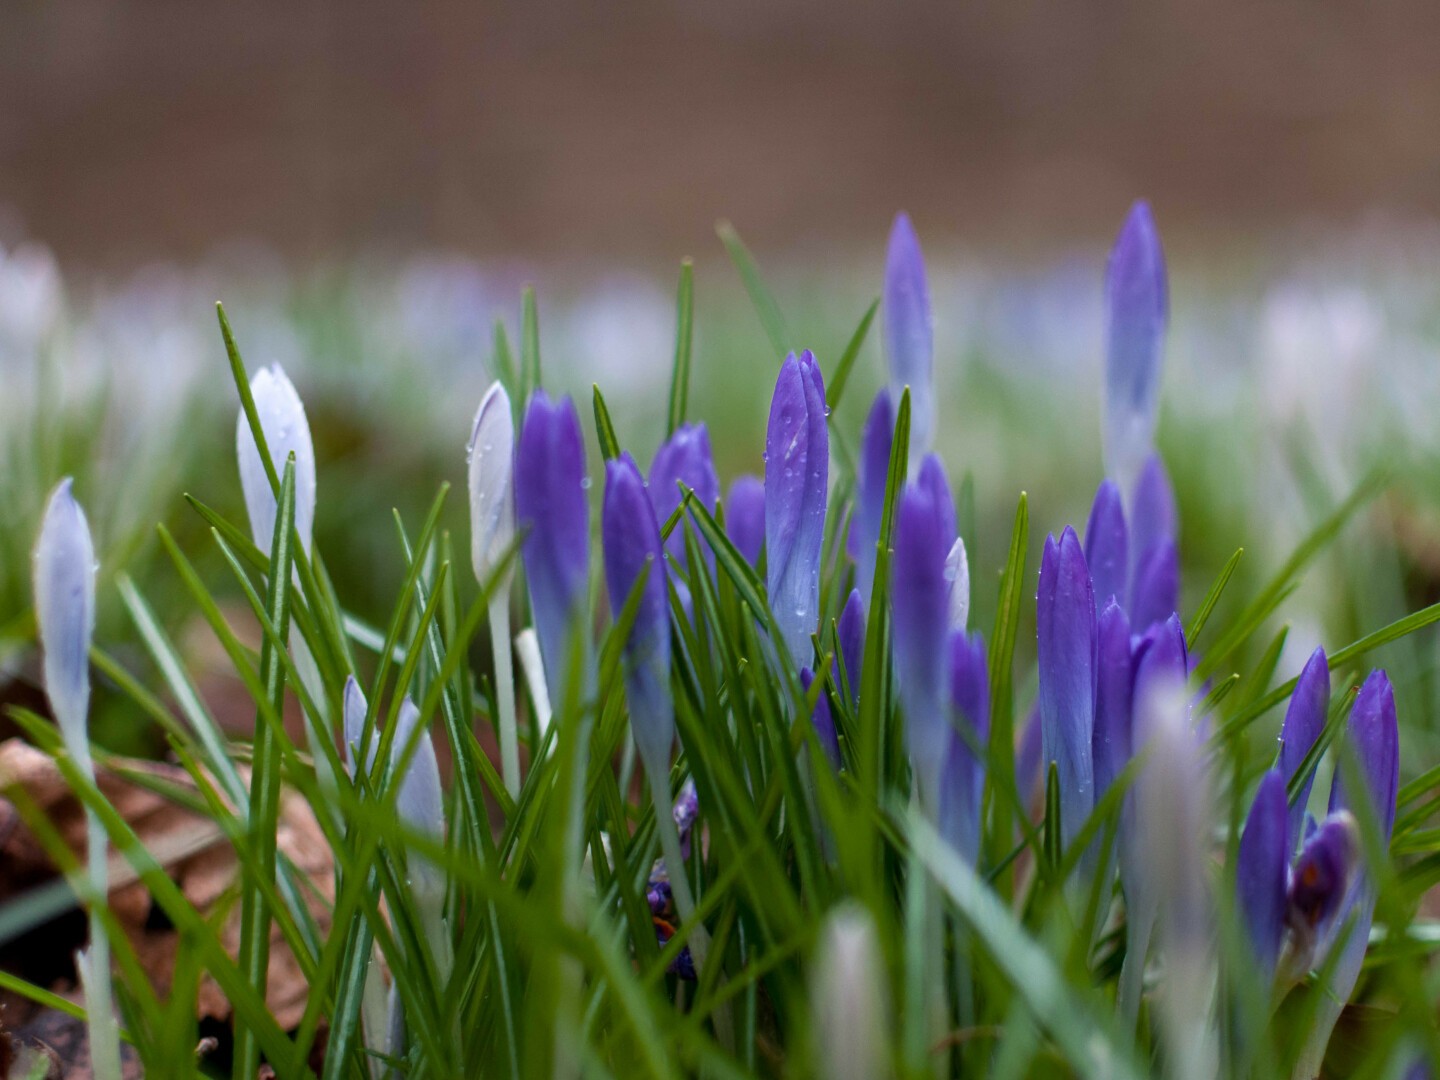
(1066,630)
(550,504)
(1318,894)
(65,612)
(282,419)
(823,720)
(1157,586)
(797,472)
(631,541)
(921,617)
(684,458)
(745,516)
(1136,306)
(1373,734)
(962,780)
(851,631)
(910,332)
(1114,681)
(932,478)
(1304,721)
(1262,872)
(1152,522)
(1105,545)
(871,474)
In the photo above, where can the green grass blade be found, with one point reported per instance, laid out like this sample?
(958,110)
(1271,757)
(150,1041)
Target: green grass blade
(835,387)
(684,344)
(760,295)
(604,428)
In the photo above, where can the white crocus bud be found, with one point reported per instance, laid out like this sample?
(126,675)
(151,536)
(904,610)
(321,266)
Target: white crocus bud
(282,419)
(354,707)
(957,573)
(420,803)
(65,611)
(851,1024)
(491,454)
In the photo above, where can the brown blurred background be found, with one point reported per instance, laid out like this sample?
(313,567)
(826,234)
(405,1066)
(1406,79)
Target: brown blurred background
(130,131)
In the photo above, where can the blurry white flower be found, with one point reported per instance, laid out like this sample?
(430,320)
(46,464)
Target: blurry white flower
(957,573)
(65,612)
(282,419)
(491,453)
(851,1025)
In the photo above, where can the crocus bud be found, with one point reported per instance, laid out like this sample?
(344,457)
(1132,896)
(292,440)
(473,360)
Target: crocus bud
(420,801)
(684,459)
(797,472)
(851,1014)
(921,617)
(1106,545)
(871,474)
(65,614)
(962,779)
(745,516)
(491,454)
(1304,721)
(1157,586)
(1066,630)
(910,332)
(851,631)
(631,541)
(1136,307)
(957,578)
(932,478)
(1322,876)
(282,419)
(353,708)
(1262,873)
(1153,523)
(550,503)
(823,720)
(1114,681)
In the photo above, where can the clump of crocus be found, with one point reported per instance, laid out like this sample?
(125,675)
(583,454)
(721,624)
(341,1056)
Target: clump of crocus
(550,505)
(797,473)
(491,454)
(65,615)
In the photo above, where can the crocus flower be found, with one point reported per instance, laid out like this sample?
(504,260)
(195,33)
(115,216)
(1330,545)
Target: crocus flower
(1262,873)
(871,473)
(1304,721)
(282,419)
(823,720)
(420,804)
(745,516)
(797,471)
(910,332)
(962,779)
(631,537)
(1066,629)
(851,632)
(1114,682)
(1153,524)
(1136,306)
(684,458)
(850,1015)
(1106,545)
(65,614)
(1319,888)
(932,478)
(353,710)
(957,579)
(921,618)
(550,503)
(491,453)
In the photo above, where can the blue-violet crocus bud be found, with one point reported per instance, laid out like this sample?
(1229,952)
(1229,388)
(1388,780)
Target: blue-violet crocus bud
(745,516)
(921,618)
(962,780)
(282,419)
(1262,871)
(797,472)
(823,720)
(684,458)
(1136,308)
(550,503)
(65,611)
(872,472)
(1106,545)
(353,710)
(1319,888)
(1066,632)
(1152,523)
(420,801)
(1304,721)
(1157,586)
(1114,682)
(631,540)
(851,631)
(910,332)
(491,453)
